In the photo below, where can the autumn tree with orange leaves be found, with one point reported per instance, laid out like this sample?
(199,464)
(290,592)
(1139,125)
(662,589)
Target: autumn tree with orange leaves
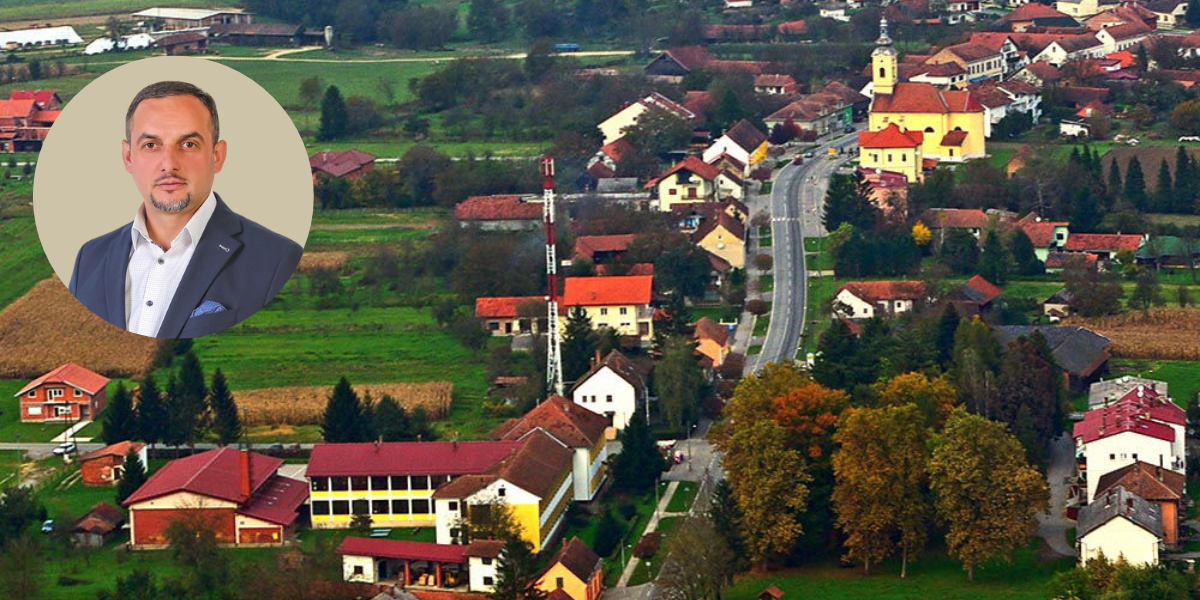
(934,398)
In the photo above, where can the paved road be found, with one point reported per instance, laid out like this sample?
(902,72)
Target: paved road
(797,197)
(1053,524)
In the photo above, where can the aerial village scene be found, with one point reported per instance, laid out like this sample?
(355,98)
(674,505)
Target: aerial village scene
(639,300)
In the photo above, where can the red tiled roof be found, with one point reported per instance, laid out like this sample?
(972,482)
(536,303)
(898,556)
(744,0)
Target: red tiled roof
(102,519)
(690,57)
(875,291)
(1059,260)
(40,97)
(44,116)
(1033,10)
(954,138)
(589,245)
(1090,430)
(1103,242)
(1040,231)
(708,329)
(340,163)
(1044,71)
(1128,30)
(1151,403)
(725,220)
(1125,58)
(1146,480)
(971,51)
(955,217)
(988,290)
(792,27)
(617,149)
(890,137)
(406,458)
(73,375)
(403,550)
(657,100)
(215,473)
(276,501)
(181,38)
(607,291)
(502,307)
(946,69)
(497,208)
(773,80)
(121,449)
(692,163)
(485,548)
(535,466)
(641,269)
(924,98)
(572,424)
(621,365)
(578,559)
(17,108)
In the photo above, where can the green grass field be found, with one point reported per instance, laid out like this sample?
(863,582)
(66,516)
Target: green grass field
(685,494)
(13,10)
(647,570)
(11,427)
(816,315)
(585,530)
(766,283)
(761,325)
(1182,377)
(10,462)
(932,576)
(22,260)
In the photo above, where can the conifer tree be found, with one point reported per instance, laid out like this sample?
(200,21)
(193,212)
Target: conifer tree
(133,475)
(345,418)
(227,424)
(120,422)
(1135,184)
(153,419)
(639,464)
(1114,181)
(1164,193)
(994,261)
(189,406)
(335,121)
(578,344)
(391,420)
(1024,256)
(176,431)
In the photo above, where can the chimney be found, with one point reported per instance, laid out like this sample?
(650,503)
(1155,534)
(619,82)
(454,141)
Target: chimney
(244,472)
(1158,469)
(597,357)
(376,445)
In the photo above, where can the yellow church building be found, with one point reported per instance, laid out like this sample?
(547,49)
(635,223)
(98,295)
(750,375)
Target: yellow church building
(952,123)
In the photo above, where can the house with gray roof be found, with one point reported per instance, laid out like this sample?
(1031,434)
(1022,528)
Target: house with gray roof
(1119,523)
(1082,353)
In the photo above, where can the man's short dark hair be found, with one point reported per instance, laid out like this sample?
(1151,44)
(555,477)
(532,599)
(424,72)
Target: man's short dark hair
(166,89)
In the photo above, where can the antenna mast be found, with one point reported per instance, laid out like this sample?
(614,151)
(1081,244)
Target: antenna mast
(554,378)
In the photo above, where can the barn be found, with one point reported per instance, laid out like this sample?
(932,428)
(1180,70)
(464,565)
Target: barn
(238,494)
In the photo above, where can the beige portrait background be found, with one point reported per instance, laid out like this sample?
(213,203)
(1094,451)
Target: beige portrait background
(81,189)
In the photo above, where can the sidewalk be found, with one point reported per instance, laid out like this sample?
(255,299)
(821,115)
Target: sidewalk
(659,512)
(70,432)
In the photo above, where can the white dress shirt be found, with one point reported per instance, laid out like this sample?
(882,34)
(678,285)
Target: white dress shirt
(154,275)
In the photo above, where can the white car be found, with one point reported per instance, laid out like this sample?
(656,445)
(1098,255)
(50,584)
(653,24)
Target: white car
(64,449)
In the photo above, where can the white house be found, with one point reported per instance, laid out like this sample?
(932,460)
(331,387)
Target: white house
(578,428)
(743,142)
(482,556)
(864,299)
(1121,37)
(614,126)
(1110,438)
(613,387)
(1120,524)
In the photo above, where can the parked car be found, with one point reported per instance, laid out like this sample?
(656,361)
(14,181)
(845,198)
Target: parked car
(808,155)
(849,129)
(48,526)
(64,449)
(798,160)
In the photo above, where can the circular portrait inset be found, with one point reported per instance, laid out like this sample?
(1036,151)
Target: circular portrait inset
(174,195)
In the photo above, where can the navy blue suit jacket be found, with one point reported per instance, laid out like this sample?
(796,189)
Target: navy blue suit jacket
(238,263)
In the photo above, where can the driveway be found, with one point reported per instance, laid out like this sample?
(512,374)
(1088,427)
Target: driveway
(1053,524)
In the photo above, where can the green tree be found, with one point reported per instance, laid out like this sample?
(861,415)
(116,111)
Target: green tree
(848,200)
(539,60)
(195,548)
(640,462)
(682,270)
(1031,395)
(488,20)
(726,519)
(138,585)
(1164,193)
(517,571)
(1183,296)
(1147,292)
(947,326)
(994,262)
(310,90)
(880,467)
(609,532)
(1025,259)
(227,424)
(335,121)
(391,420)
(21,567)
(1192,15)
(189,407)
(984,490)
(960,251)
(120,422)
(152,414)
(1135,185)
(1114,180)
(1093,294)
(678,382)
(175,430)
(19,508)
(1186,116)
(133,476)
(976,365)
(698,563)
(346,418)
(836,351)
(729,109)
(578,344)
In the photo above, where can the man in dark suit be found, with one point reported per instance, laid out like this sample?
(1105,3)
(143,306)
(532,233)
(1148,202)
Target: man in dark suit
(187,266)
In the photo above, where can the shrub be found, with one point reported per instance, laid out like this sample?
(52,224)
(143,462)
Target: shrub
(647,547)
(627,509)
(757,307)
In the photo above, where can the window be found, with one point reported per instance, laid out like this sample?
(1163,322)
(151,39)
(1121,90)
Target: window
(501,492)
(889,157)
(608,398)
(358,483)
(54,393)
(624,310)
(420,507)
(379,484)
(31,394)
(487,561)
(903,156)
(558,581)
(673,191)
(1135,456)
(493,325)
(380,507)
(320,507)
(78,392)
(487,580)
(320,484)
(35,410)
(882,72)
(952,152)
(340,507)
(1112,457)
(875,157)
(400,507)
(399,483)
(603,311)
(928,130)
(360,507)
(437,480)
(358,570)
(420,482)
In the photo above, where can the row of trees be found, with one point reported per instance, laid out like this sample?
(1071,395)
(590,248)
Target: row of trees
(886,472)
(348,418)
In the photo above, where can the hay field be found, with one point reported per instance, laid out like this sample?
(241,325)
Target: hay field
(47,327)
(1167,333)
(304,405)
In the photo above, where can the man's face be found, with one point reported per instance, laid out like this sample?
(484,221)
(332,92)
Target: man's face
(171,154)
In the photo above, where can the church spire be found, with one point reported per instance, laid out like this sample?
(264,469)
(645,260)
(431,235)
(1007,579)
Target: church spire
(883,40)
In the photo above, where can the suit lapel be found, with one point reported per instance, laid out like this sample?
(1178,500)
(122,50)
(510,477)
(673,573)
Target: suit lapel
(215,248)
(115,267)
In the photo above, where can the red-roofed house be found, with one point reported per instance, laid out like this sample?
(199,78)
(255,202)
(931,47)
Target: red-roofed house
(236,493)
(619,303)
(350,164)
(42,99)
(1152,483)
(771,83)
(712,341)
(865,299)
(614,127)
(25,119)
(409,564)
(974,297)
(106,465)
(978,60)
(1035,14)
(502,315)
(792,28)
(724,236)
(743,142)
(1047,236)
(578,426)
(1121,37)
(893,149)
(1039,74)
(1105,246)
(574,572)
(68,393)
(688,181)
(502,212)
(940,220)
(600,249)
(953,123)
(1136,428)
(614,387)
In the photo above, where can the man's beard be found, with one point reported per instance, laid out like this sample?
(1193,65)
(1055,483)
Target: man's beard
(174,207)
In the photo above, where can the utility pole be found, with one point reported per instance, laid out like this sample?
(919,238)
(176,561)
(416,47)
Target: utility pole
(554,377)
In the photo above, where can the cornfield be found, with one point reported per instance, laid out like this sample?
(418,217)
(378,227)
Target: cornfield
(314,261)
(1166,333)
(304,405)
(48,327)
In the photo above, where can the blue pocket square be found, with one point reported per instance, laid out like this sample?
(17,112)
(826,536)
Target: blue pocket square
(208,307)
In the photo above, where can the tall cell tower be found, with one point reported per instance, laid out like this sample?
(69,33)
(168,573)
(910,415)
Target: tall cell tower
(554,379)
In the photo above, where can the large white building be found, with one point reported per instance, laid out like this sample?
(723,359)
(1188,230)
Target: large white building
(1142,425)
(39,38)
(613,387)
